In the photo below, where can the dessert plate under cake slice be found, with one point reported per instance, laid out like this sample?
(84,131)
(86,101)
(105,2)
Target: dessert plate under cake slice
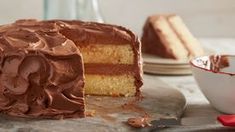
(153,59)
(155,69)
(157,65)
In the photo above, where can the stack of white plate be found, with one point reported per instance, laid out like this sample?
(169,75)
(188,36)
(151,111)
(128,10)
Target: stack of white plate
(156,65)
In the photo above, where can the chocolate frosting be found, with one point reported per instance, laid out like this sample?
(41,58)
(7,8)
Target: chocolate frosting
(41,74)
(214,63)
(218,62)
(42,69)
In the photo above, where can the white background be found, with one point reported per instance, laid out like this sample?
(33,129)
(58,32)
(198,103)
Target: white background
(205,18)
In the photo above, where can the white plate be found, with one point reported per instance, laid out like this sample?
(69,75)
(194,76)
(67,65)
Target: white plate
(157,65)
(153,59)
(152,69)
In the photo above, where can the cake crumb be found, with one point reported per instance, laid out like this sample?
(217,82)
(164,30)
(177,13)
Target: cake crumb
(90,113)
(139,122)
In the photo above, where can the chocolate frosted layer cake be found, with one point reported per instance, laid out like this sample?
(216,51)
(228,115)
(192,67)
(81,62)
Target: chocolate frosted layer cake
(168,37)
(42,69)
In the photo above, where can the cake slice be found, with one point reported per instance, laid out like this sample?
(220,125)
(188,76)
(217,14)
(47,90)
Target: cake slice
(42,73)
(168,37)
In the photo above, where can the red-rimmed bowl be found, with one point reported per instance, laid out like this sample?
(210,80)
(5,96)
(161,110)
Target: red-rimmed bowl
(215,75)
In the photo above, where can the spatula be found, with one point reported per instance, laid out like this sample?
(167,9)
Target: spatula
(225,120)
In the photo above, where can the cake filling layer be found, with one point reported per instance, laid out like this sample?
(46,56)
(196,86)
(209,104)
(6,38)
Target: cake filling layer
(118,85)
(110,69)
(112,54)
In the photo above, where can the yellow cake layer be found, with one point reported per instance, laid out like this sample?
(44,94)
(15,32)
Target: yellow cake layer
(111,54)
(114,85)
(168,36)
(188,40)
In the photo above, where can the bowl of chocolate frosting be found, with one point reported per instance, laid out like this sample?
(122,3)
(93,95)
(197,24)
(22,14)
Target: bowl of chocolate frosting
(215,75)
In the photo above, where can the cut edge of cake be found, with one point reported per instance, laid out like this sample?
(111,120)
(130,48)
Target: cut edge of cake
(109,55)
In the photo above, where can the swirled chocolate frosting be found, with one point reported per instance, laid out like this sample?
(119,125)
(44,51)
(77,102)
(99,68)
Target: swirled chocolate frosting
(41,73)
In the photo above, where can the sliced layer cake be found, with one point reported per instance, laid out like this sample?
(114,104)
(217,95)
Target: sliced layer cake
(42,69)
(167,36)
